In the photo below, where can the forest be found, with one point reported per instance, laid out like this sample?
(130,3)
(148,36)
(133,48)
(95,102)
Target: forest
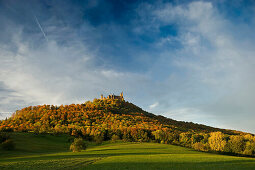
(113,119)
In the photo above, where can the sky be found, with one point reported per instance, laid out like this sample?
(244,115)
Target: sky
(187,60)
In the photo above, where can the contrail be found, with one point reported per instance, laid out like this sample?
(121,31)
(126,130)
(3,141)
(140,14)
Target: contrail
(39,25)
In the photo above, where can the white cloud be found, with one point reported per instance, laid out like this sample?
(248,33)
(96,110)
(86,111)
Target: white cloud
(154,105)
(218,66)
(40,72)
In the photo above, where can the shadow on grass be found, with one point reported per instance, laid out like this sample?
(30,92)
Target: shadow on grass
(233,165)
(98,150)
(102,152)
(136,148)
(76,155)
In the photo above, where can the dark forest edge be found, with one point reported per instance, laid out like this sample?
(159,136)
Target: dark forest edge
(112,119)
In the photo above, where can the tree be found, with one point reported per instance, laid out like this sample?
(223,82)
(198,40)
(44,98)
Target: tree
(249,148)
(78,145)
(216,141)
(159,136)
(196,138)
(185,139)
(236,144)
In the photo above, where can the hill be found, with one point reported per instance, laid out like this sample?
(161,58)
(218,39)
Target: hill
(49,151)
(113,119)
(96,114)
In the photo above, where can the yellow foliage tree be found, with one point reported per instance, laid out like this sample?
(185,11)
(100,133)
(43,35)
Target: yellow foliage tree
(216,141)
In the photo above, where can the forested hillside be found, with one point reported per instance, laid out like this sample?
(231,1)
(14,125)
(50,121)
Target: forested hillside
(113,119)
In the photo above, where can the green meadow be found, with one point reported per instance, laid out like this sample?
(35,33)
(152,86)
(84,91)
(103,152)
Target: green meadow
(52,152)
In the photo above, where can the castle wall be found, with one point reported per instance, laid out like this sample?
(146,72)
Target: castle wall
(111,96)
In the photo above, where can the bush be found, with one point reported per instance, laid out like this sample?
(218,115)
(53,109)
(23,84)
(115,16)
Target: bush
(98,139)
(6,129)
(78,145)
(8,145)
(115,138)
(200,146)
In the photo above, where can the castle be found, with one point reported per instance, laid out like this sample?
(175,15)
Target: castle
(112,96)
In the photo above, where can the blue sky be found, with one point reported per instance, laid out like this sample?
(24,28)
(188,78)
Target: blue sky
(186,60)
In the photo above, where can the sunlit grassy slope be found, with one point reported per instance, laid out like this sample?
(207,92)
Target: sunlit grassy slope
(51,152)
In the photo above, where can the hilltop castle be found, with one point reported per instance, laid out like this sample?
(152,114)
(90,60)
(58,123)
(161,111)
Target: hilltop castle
(112,96)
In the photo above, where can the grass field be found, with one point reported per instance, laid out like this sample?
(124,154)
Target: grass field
(51,152)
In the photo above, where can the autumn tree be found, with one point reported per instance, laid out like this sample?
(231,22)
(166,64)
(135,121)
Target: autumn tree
(236,144)
(216,141)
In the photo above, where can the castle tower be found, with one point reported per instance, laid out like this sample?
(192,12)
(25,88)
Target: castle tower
(102,97)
